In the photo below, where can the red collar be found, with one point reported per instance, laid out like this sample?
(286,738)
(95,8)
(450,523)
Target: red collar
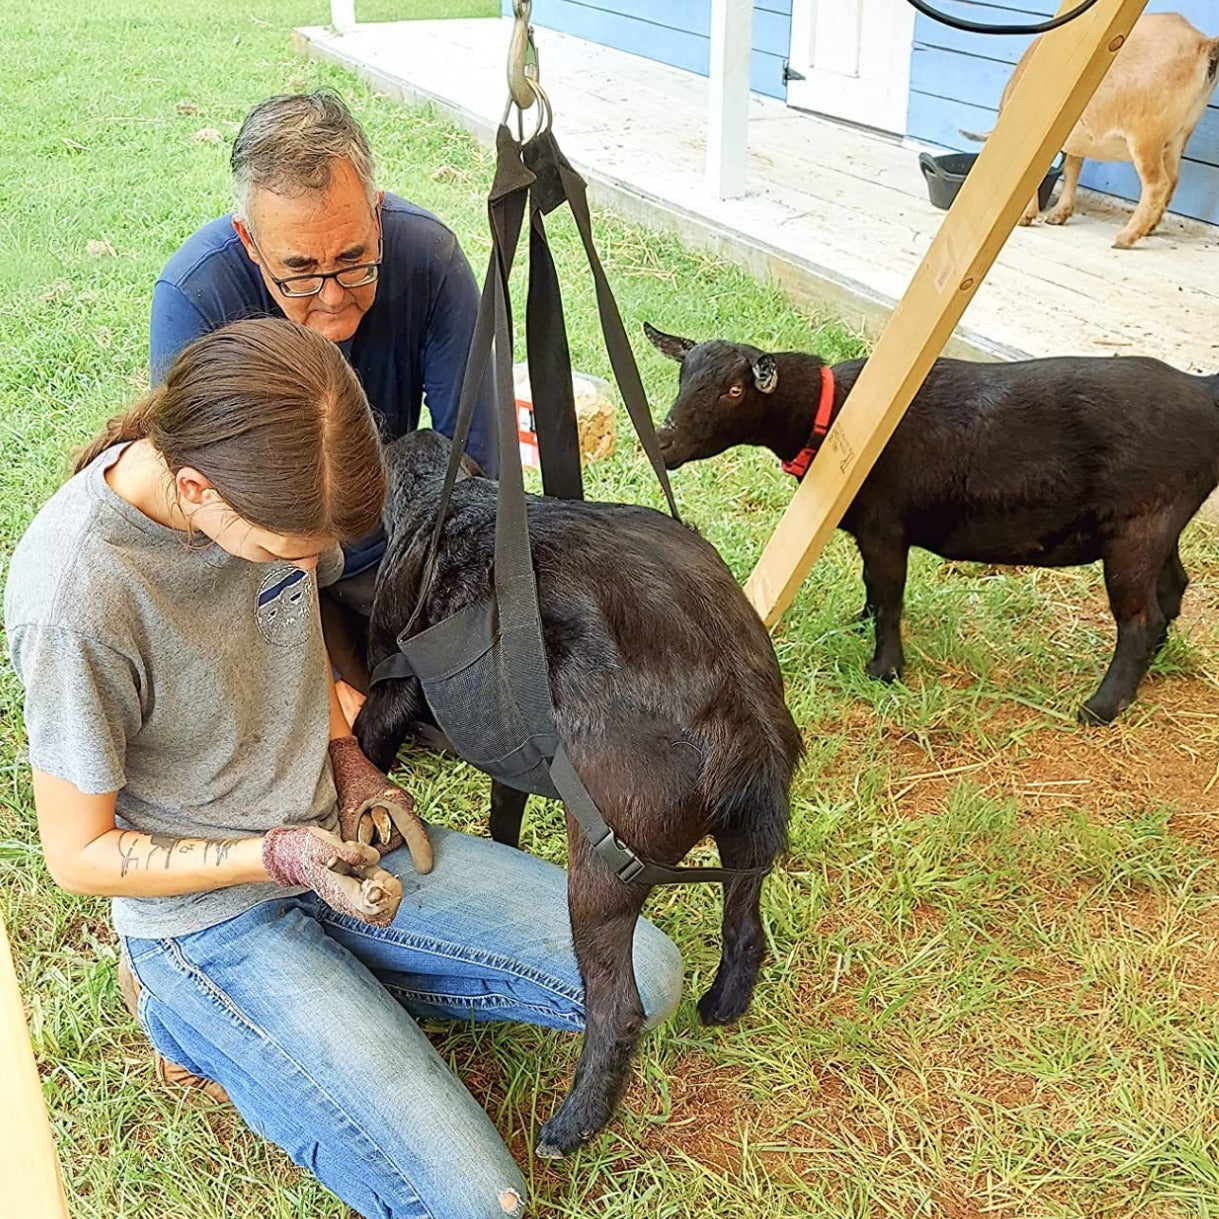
(799,464)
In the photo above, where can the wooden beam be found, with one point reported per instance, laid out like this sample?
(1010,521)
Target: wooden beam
(1061,77)
(728,115)
(30,1185)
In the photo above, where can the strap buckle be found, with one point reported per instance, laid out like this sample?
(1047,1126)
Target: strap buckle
(623,862)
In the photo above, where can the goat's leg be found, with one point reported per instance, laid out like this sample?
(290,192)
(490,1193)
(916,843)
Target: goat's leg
(1064,209)
(1150,158)
(884,577)
(385,719)
(1170,588)
(1132,579)
(604,911)
(1172,165)
(1031,211)
(744,943)
(507,809)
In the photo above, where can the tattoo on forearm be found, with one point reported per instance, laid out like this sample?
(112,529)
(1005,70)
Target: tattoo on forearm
(220,851)
(128,852)
(161,842)
(135,853)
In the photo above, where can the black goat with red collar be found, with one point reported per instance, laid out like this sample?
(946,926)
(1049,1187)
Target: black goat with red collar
(1044,463)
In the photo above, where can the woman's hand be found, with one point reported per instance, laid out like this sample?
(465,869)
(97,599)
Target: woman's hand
(372,809)
(344,875)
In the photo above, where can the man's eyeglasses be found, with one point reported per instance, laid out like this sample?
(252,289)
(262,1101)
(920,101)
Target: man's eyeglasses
(346,277)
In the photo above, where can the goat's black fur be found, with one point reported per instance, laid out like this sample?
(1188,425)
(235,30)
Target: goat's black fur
(1046,463)
(668,699)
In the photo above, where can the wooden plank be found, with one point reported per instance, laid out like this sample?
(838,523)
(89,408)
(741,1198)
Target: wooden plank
(30,1183)
(1063,74)
(728,102)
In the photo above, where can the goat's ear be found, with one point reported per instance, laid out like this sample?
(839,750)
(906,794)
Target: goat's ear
(470,467)
(766,374)
(668,344)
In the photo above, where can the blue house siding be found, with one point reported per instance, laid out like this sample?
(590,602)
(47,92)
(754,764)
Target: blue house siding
(676,32)
(956,80)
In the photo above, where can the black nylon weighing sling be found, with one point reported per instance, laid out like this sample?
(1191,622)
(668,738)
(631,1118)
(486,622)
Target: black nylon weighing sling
(483,669)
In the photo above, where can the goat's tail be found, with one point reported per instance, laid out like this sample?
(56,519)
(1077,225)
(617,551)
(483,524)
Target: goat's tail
(979,137)
(747,786)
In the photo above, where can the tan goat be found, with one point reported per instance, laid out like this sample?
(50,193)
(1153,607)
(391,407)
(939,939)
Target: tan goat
(1144,111)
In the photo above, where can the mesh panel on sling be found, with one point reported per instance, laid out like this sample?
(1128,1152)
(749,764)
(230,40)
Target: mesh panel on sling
(465,680)
(483,669)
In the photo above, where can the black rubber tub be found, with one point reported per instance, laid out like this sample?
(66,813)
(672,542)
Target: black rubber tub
(945,174)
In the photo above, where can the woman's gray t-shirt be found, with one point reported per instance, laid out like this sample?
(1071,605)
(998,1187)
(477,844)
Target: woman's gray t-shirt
(190,682)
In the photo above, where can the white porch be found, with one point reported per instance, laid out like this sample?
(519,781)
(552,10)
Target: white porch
(838,216)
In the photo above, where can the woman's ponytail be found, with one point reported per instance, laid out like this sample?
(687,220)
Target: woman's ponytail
(135,423)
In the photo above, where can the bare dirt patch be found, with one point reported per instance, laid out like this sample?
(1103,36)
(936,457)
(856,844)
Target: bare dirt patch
(1169,759)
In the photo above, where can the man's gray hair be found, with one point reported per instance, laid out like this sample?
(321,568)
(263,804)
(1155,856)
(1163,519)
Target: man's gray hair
(289,143)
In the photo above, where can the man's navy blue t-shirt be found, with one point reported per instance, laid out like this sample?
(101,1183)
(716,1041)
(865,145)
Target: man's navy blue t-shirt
(411,343)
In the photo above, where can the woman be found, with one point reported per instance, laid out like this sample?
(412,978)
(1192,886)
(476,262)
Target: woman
(190,759)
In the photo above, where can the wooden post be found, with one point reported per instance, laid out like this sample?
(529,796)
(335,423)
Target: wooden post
(728,117)
(343,15)
(30,1185)
(1061,77)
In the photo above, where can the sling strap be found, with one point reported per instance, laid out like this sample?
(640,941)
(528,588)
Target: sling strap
(537,175)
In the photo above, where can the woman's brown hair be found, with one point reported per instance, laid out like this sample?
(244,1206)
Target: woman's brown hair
(276,419)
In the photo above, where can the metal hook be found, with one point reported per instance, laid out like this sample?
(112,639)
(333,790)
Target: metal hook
(522,56)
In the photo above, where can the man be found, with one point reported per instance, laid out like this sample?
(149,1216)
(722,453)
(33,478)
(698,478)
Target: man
(314,240)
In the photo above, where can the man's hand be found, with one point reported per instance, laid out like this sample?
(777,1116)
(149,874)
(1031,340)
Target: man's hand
(372,810)
(345,875)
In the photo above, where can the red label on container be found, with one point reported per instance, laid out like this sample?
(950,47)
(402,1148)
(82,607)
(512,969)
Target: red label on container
(527,436)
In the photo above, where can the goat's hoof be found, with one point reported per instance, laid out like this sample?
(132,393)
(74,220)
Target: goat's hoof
(558,1137)
(1095,714)
(1025,221)
(721,1007)
(1057,217)
(548,1151)
(1124,240)
(882,670)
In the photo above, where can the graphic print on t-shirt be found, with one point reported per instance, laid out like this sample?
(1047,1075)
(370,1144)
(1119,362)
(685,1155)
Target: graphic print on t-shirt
(285,605)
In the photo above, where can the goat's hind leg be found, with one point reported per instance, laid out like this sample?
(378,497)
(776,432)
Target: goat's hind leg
(604,911)
(1170,588)
(744,941)
(1152,161)
(1133,565)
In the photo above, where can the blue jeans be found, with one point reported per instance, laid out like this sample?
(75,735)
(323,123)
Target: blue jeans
(308,1020)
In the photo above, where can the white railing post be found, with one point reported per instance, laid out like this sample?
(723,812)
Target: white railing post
(343,15)
(728,117)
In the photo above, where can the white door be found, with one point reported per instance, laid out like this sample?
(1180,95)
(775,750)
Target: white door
(854,56)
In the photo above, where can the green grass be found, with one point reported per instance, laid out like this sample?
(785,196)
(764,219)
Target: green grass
(994,947)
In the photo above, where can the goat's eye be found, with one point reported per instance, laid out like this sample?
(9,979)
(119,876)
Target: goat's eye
(735,391)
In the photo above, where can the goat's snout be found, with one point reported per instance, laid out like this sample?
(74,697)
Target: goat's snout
(667,438)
